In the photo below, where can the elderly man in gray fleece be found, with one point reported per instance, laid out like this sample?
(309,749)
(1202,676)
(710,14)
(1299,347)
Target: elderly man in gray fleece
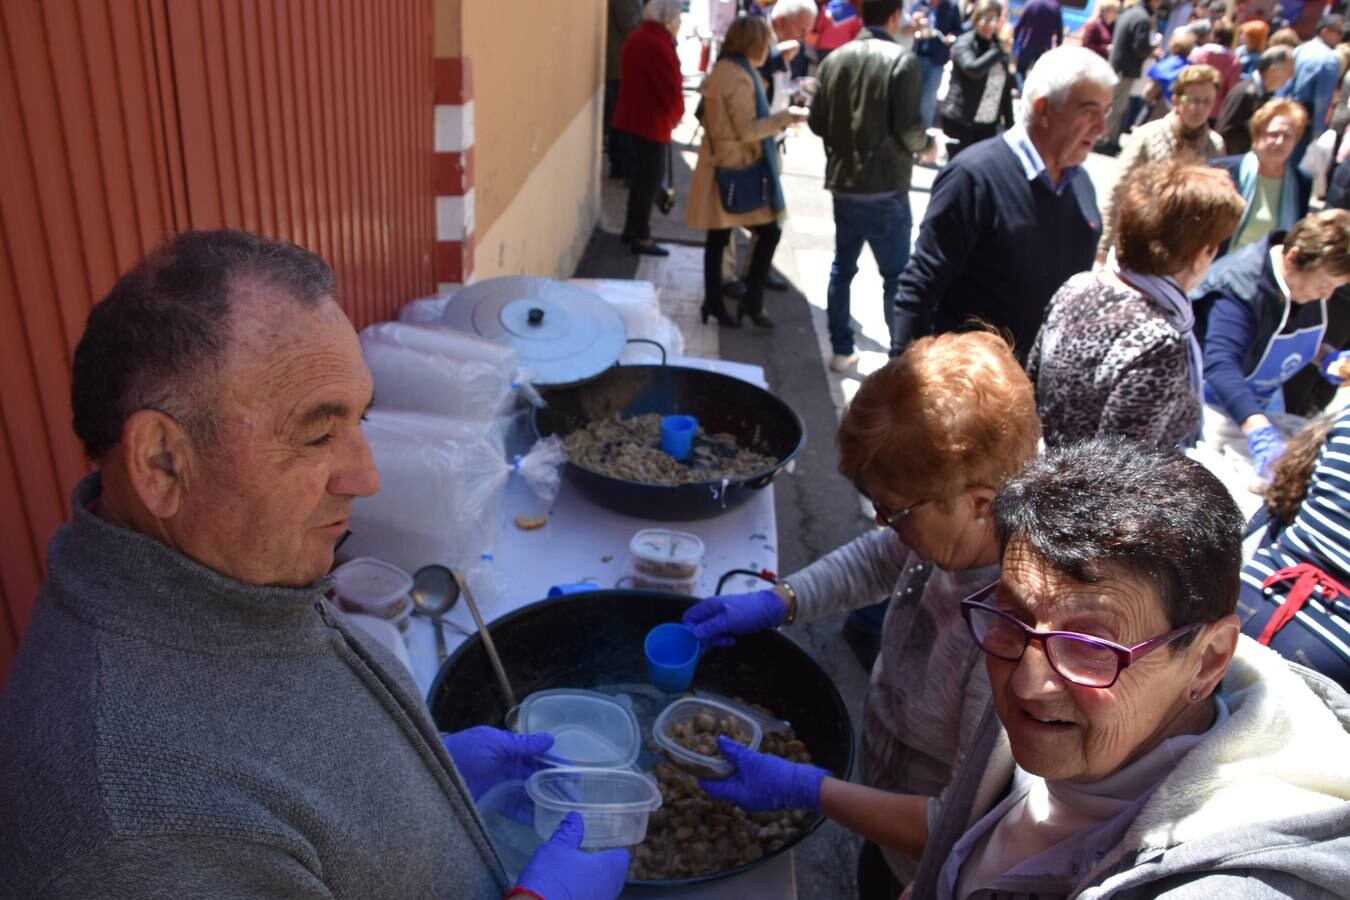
(186,716)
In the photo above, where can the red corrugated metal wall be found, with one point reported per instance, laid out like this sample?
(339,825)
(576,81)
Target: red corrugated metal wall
(123,122)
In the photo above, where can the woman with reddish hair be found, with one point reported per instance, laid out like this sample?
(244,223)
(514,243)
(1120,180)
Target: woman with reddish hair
(928,439)
(1118,353)
(651,103)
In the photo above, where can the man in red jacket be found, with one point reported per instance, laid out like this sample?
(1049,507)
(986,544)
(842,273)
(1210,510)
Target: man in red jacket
(651,102)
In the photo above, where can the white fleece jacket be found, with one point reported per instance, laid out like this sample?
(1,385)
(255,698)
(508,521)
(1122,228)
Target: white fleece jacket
(1260,808)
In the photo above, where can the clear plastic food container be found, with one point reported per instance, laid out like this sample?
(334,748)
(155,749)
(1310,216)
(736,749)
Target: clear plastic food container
(667,585)
(508,815)
(589,729)
(666,554)
(614,803)
(374,587)
(699,719)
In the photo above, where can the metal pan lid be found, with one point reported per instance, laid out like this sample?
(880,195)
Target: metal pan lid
(565,334)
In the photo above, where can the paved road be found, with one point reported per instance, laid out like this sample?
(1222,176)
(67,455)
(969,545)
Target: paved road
(817,509)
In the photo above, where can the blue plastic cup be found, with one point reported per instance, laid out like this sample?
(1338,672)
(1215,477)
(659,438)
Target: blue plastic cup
(576,587)
(677,435)
(672,656)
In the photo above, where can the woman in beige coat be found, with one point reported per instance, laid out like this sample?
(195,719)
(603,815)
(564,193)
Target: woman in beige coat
(737,132)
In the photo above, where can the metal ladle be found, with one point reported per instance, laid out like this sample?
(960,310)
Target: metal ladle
(490,647)
(434,592)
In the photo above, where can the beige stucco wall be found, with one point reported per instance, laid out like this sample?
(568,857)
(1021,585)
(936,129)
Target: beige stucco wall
(538,71)
(544,228)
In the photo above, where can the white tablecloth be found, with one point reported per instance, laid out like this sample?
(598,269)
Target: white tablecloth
(585,542)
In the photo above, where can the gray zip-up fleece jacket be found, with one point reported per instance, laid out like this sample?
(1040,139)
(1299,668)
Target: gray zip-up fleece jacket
(1259,809)
(169,732)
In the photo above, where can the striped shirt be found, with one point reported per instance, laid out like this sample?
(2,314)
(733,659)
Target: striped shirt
(1320,535)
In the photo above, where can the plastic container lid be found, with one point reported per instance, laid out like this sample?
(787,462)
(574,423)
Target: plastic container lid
(589,729)
(508,815)
(371,583)
(613,803)
(663,553)
(687,708)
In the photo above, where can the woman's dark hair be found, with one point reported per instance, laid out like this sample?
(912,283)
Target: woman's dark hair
(158,336)
(878,12)
(1110,506)
(1292,472)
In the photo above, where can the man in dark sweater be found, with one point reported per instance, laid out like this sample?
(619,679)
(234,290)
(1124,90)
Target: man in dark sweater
(187,716)
(1014,216)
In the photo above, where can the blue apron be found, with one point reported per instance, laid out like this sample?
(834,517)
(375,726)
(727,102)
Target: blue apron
(1285,354)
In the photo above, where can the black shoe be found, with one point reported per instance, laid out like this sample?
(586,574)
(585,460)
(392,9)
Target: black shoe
(719,313)
(759,318)
(776,282)
(647,248)
(734,289)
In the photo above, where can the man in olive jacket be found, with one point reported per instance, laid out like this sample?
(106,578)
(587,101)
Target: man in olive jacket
(867,110)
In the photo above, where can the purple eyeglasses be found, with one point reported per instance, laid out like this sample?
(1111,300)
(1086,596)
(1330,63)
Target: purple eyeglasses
(1078,658)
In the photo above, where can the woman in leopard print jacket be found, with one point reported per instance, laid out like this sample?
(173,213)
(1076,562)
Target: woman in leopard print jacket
(1117,353)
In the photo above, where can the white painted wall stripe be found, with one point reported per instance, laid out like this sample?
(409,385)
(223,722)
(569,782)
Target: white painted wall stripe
(454,217)
(454,128)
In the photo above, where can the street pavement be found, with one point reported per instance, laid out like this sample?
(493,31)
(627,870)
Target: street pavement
(817,509)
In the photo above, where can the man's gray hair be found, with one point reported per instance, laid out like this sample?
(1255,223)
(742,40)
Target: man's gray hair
(787,9)
(1057,73)
(662,11)
(1274,56)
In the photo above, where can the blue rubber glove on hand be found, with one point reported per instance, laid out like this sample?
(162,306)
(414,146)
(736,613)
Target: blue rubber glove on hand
(717,620)
(1331,361)
(763,783)
(1266,447)
(487,756)
(560,871)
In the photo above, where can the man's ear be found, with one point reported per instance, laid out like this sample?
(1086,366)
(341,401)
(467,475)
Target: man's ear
(1040,112)
(157,455)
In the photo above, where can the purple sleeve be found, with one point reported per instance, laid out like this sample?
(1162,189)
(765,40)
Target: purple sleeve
(1228,335)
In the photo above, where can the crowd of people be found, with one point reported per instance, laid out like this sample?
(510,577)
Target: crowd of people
(1086,686)
(1116,335)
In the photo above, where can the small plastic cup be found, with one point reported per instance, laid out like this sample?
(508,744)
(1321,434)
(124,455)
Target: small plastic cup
(677,435)
(672,656)
(576,587)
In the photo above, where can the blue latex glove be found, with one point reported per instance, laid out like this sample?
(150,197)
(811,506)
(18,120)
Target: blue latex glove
(560,871)
(1330,361)
(717,620)
(487,756)
(1266,447)
(763,783)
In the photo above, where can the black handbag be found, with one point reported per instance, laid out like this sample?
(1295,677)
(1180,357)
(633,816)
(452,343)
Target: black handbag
(745,190)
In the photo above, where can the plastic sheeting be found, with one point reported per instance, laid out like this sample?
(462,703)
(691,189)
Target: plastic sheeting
(441,484)
(438,370)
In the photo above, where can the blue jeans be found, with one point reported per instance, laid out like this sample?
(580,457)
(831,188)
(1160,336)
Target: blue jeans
(930,75)
(885,226)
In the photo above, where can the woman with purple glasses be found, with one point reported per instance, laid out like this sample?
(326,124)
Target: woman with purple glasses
(1138,745)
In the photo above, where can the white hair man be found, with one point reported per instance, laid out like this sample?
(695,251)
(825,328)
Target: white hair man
(1014,216)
